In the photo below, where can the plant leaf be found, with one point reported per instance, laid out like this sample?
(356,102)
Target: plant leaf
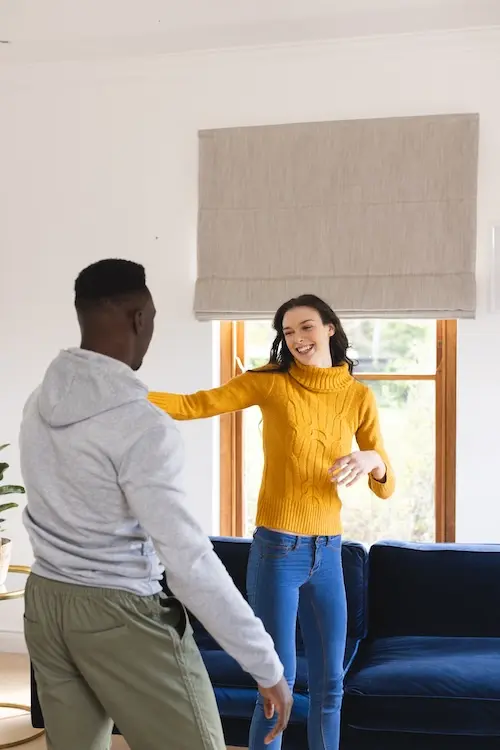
(7,506)
(3,469)
(5,445)
(12,489)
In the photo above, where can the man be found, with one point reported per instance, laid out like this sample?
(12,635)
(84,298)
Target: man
(102,468)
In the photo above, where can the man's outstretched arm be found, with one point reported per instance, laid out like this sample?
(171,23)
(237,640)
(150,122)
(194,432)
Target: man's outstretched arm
(150,476)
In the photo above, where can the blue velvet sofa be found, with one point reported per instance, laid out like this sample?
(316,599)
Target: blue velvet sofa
(427,677)
(422,656)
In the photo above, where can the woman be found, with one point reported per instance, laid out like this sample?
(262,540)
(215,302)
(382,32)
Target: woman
(312,409)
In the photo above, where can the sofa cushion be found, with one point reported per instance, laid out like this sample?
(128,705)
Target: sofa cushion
(355,566)
(239,703)
(434,590)
(225,672)
(426,684)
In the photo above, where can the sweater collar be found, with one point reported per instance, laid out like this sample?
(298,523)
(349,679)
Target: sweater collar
(321,378)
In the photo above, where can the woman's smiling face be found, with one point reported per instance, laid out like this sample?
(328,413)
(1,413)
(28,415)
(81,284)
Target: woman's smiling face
(307,337)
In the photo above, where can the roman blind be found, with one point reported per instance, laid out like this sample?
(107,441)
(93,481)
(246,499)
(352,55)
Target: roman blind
(378,217)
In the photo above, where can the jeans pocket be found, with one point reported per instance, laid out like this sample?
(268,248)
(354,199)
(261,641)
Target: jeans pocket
(335,542)
(274,550)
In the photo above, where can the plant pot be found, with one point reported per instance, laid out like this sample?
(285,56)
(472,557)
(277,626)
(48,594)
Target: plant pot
(5,555)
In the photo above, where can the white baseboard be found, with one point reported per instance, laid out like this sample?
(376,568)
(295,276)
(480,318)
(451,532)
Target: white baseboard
(12,643)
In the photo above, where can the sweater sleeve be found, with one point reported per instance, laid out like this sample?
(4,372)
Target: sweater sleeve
(150,476)
(369,438)
(245,390)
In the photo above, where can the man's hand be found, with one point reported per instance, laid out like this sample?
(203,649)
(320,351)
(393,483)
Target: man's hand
(279,700)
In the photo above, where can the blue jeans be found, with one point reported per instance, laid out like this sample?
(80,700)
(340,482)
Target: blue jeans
(290,575)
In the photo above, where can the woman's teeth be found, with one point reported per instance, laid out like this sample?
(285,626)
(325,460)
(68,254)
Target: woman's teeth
(305,349)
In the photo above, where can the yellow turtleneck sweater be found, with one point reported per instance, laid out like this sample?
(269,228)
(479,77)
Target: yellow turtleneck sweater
(310,417)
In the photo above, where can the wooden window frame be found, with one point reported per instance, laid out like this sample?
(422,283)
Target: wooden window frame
(232,511)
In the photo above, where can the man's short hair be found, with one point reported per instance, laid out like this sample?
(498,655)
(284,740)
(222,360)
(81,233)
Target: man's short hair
(109,279)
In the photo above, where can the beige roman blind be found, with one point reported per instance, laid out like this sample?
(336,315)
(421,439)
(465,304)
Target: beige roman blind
(378,217)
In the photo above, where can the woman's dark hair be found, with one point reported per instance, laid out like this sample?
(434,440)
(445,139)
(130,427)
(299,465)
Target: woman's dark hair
(281,357)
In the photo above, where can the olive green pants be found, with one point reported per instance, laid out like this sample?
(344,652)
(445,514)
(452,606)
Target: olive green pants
(102,656)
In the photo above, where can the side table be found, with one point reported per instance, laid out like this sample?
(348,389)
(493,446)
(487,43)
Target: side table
(11,590)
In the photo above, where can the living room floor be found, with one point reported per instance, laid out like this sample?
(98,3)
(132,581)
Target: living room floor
(15,688)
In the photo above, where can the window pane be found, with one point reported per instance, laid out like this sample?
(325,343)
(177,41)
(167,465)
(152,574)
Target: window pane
(407,416)
(399,346)
(259,336)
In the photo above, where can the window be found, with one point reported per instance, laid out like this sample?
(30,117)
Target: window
(411,366)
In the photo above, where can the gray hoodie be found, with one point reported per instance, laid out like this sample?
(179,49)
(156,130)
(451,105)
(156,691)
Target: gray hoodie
(103,473)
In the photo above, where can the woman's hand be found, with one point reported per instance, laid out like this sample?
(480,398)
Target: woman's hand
(349,469)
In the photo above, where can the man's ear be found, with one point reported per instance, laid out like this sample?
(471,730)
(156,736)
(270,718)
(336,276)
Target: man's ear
(138,321)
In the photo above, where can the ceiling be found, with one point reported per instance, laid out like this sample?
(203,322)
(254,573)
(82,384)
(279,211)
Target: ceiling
(65,29)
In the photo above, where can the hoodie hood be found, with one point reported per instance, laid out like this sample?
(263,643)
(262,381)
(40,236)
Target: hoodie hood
(80,384)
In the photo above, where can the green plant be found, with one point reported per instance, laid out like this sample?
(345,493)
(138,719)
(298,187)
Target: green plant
(7,489)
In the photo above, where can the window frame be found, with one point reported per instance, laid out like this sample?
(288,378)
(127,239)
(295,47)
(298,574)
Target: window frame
(232,353)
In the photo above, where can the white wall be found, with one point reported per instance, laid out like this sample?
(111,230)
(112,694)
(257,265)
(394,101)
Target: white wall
(100,159)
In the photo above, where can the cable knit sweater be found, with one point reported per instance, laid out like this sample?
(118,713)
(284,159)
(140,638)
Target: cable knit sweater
(310,417)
